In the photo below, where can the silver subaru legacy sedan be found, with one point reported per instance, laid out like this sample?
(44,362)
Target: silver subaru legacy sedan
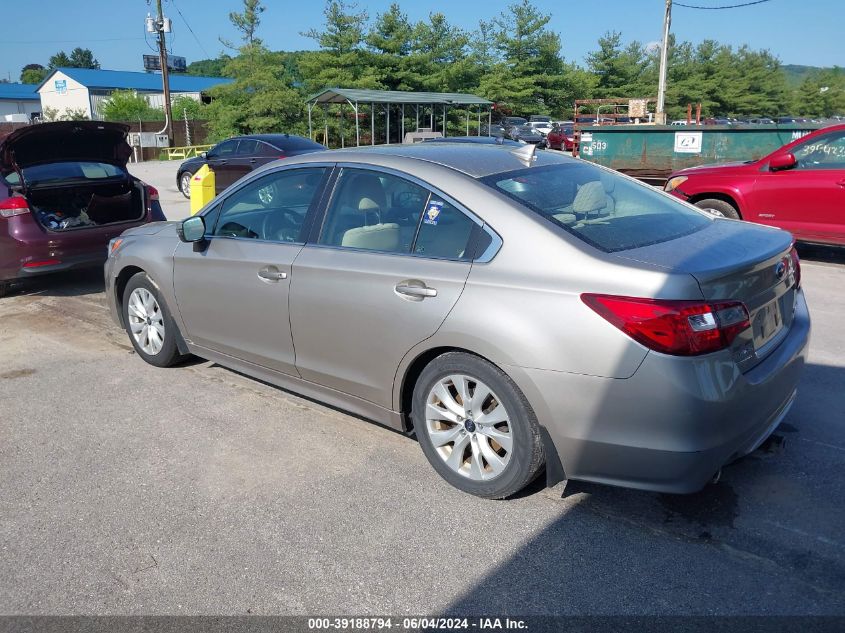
(518,313)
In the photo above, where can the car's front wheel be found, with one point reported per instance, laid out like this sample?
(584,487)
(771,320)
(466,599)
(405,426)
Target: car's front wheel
(185,183)
(148,323)
(718,207)
(476,427)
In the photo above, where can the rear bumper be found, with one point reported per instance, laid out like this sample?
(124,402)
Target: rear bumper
(18,269)
(675,422)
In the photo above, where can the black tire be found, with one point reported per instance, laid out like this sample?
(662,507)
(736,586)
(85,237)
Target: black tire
(186,191)
(721,207)
(526,457)
(168,355)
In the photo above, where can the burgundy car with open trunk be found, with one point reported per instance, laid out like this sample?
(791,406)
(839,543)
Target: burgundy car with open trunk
(64,193)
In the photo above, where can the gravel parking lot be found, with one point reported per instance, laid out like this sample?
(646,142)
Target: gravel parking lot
(127,489)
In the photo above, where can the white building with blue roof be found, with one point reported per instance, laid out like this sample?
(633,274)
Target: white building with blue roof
(18,101)
(84,89)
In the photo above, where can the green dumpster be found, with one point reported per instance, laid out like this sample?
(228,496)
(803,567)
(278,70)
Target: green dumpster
(652,152)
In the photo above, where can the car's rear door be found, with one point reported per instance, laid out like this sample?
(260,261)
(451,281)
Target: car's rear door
(385,268)
(809,199)
(219,160)
(233,293)
(244,160)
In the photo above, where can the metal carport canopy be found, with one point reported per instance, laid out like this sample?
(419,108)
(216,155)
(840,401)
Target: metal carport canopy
(355,96)
(344,95)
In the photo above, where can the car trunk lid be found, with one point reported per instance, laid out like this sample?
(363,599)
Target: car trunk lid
(65,141)
(737,261)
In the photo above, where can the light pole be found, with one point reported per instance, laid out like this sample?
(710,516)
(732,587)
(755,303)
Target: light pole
(161,25)
(660,115)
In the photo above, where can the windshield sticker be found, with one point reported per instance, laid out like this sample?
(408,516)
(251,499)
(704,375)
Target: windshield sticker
(432,213)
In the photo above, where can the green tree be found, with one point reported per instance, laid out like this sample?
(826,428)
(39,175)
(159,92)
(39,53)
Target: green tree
(208,67)
(439,59)
(259,100)
(528,74)
(183,105)
(128,105)
(79,58)
(821,94)
(342,60)
(33,74)
(389,39)
(247,21)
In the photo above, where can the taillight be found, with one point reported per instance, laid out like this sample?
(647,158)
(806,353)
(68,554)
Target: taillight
(152,196)
(16,205)
(796,267)
(680,328)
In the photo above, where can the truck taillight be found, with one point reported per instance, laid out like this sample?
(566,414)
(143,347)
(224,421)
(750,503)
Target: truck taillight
(680,328)
(16,205)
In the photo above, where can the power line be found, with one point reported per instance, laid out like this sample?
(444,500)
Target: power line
(730,6)
(82,40)
(190,29)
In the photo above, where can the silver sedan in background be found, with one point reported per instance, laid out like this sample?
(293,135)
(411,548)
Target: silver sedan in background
(518,312)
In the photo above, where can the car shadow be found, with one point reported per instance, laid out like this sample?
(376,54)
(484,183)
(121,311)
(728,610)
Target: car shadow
(617,551)
(71,283)
(819,253)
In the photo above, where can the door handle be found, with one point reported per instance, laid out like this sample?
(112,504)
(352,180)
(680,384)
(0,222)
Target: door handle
(252,161)
(417,292)
(271,274)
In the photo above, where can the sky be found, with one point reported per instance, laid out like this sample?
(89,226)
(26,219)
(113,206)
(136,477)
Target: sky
(797,31)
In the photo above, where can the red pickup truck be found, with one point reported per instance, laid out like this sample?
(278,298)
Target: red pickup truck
(799,187)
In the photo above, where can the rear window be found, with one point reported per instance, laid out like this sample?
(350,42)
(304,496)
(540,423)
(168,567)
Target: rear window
(607,211)
(296,144)
(56,173)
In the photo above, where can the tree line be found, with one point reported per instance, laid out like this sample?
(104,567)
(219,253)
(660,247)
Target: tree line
(513,59)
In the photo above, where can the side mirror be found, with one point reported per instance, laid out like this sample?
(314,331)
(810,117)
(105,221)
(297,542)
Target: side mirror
(782,162)
(193,229)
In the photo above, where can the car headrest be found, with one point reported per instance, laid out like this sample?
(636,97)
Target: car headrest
(366,193)
(590,197)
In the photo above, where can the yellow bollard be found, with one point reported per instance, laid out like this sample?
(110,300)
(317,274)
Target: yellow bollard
(202,189)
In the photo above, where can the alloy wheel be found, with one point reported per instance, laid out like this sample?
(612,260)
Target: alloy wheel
(186,184)
(469,427)
(146,321)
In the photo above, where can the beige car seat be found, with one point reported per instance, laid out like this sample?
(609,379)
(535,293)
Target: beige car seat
(589,199)
(368,202)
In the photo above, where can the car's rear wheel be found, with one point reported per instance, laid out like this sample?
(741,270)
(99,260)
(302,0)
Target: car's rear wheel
(185,183)
(148,323)
(718,207)
(476,427)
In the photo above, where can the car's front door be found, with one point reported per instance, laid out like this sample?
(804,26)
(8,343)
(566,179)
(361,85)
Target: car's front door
(390,262)
(809,199)
(219,159)
(232,294)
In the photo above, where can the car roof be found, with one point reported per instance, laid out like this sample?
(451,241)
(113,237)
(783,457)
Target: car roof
(473,159)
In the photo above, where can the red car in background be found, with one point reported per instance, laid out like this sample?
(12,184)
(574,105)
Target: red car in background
(64,193)
(562,138)
(799,187)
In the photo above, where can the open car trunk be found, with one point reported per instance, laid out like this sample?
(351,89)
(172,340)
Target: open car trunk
(87,205)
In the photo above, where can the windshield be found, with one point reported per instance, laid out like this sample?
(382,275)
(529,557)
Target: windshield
(59,173)
(607,211)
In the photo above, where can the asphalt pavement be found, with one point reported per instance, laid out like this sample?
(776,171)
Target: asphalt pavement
(161,174)
(127,489)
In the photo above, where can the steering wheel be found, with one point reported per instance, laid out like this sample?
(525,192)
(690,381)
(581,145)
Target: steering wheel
(281,225)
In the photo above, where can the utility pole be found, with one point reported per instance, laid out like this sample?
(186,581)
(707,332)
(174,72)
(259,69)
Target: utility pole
(162,26)
(660,115)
